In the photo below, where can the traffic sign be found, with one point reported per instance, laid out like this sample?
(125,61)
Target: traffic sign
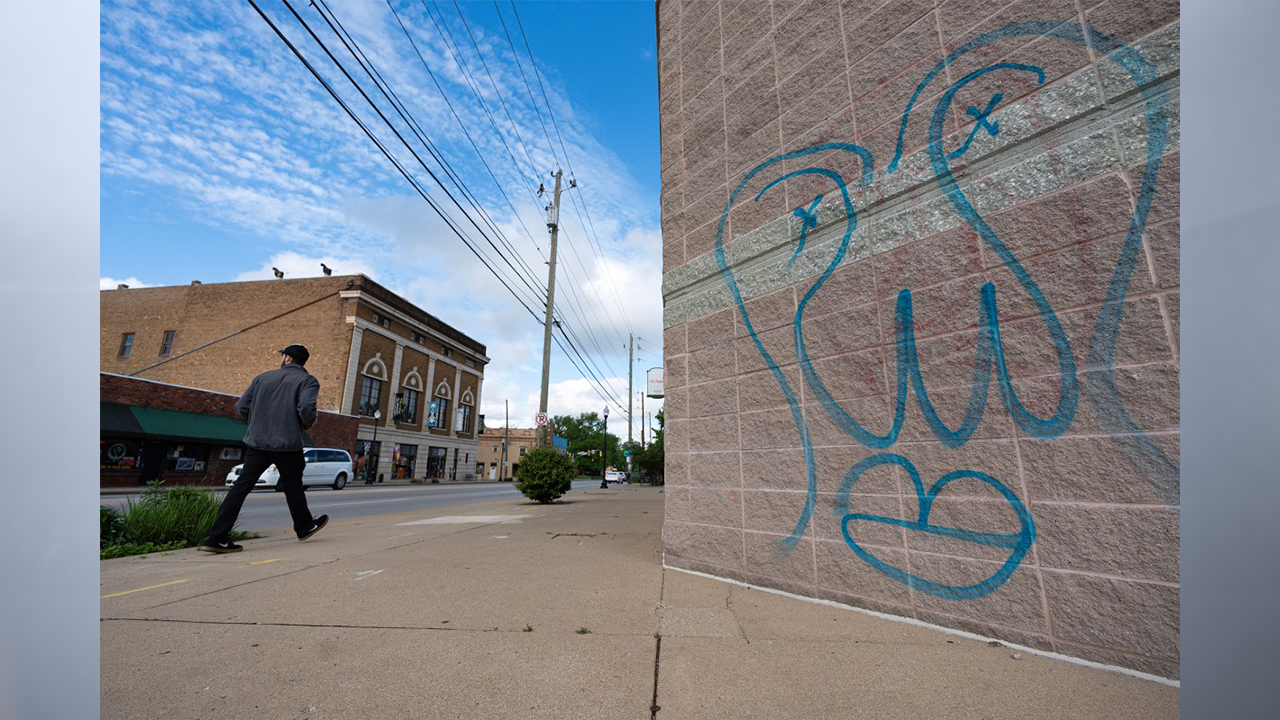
(540,418)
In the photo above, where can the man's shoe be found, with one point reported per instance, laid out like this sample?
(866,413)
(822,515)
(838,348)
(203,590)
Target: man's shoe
(226,546)
(315,527)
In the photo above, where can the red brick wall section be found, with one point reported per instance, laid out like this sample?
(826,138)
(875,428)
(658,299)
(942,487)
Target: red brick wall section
(331,429)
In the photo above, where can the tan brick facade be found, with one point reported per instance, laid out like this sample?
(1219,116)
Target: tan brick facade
(226,333)
(521,441)
(921,300)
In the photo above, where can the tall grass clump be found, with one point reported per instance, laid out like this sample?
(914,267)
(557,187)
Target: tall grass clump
(160,520)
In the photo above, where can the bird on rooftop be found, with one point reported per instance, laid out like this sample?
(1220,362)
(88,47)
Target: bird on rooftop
(326,269)
(279,273)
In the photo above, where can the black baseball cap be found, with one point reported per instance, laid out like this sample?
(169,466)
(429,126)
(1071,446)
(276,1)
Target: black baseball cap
(298,353)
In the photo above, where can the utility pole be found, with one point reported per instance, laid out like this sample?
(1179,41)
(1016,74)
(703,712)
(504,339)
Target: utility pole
(642,425)
(631,368)
(506,441)
(553,223)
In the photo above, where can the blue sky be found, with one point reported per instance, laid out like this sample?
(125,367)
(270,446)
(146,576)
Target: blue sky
(223,157)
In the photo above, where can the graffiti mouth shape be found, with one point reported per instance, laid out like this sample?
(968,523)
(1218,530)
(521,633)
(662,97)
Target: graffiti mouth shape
(1017,543)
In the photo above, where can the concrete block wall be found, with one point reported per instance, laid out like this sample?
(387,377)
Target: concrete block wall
(921,307)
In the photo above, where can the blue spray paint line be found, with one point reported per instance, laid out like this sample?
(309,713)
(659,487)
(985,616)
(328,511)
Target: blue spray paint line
(992,127)
(726,275)
(1017,543)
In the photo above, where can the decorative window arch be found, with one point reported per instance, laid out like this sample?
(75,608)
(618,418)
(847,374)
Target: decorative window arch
(413,380)
(442,390)
(376,368)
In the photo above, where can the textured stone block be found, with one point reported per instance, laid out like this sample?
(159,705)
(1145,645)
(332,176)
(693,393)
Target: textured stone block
(1076,214)
(1136,542)
(1015,604)
(676,437)
(1092,469)
(778,343)
(703,543)
(715,469)
(713,433)
(943,308)
(866,30)
(855,375)
(874,414)
(676,502)
(715,506)
(767,312)
(676,469)
(764,556)
(1136,617)
(951,405)
(916,42)
(676,374)
(772,511)
(761,391)
(714,330)
(774,469)
(839,569)
(841,333)
(675,341)
(717,397)
(711,363)
(677,403)
(833,464)
(956,507)
(751,106)
(1163,240)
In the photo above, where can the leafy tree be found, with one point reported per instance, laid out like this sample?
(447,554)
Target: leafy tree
(544,475)
(586,442)
(650,461)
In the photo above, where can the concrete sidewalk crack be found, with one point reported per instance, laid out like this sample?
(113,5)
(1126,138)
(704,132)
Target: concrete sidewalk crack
(243,584)
(728,604)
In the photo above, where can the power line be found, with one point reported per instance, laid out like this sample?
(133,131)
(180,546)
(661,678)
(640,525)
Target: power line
(596,382)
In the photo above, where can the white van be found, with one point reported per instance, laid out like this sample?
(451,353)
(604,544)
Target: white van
(325,466)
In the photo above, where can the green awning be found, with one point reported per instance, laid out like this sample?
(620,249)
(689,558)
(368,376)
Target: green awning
(116,419)
(132,420)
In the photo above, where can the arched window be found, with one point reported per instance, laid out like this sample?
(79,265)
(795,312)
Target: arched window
(372,377)
(407,399)
(438,418)
(466,410)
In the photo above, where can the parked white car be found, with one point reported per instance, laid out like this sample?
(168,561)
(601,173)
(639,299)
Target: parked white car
(325,466)
(615,476)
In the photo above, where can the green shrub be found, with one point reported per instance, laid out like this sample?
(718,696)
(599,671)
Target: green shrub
(545,475)
(110,525)
(119,550)
(162,517)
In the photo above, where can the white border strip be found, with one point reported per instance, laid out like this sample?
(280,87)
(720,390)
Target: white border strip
(930,626)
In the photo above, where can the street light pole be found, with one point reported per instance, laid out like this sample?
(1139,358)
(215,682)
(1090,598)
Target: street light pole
(377,416)
(604,468)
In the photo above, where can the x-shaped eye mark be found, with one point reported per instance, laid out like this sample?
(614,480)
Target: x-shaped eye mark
(982,123)
(808,219)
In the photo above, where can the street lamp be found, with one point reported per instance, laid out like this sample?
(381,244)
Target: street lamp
(368,480)
(604,469)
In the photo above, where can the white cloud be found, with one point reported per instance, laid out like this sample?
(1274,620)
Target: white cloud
(297,265)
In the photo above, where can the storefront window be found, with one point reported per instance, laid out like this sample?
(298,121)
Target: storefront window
(186,458)
(119,455)
(435,462)
(366,459)
(404,458)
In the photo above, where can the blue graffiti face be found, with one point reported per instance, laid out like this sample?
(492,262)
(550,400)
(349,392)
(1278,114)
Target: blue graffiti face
(989,360)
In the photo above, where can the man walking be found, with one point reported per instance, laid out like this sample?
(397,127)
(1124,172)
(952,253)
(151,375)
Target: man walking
(279,405)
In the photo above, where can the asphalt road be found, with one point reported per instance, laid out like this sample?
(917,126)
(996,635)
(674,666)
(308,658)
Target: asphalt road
(265,509)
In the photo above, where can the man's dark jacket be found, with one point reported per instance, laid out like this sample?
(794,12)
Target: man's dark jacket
(279,405)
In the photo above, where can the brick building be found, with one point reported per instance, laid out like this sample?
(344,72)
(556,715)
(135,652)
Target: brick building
(183,436)
(374,353)
(921,300)
(519,440)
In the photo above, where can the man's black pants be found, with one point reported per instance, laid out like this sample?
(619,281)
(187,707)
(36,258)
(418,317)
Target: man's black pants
(290,463)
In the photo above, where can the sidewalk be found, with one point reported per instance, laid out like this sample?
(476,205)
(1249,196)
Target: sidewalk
(427,614)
